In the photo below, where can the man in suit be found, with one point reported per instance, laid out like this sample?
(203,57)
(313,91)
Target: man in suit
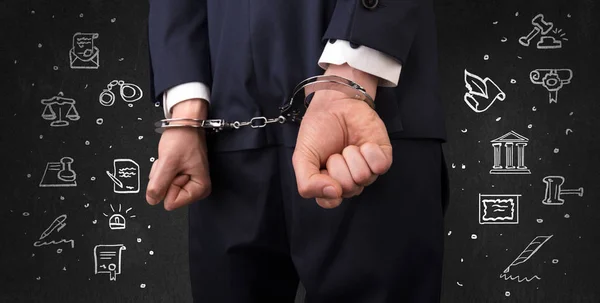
(350,201)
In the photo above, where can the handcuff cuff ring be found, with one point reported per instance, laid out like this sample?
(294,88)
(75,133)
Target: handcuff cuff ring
(290,111)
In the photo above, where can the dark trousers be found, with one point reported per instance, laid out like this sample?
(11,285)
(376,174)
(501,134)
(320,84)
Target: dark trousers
(254,237)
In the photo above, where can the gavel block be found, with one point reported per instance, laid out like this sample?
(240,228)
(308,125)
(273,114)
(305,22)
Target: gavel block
(554,190)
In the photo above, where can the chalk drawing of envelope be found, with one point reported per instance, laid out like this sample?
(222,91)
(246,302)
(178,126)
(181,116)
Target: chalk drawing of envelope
(83,54)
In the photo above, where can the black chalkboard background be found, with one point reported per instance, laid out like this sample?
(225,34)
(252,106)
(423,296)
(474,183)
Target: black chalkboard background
(568,262)
(37,37)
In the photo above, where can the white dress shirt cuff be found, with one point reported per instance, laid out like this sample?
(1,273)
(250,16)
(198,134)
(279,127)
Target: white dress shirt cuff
(182,92)
(363,58)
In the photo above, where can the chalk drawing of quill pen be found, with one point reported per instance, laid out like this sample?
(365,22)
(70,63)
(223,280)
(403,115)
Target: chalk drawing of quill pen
(527,253)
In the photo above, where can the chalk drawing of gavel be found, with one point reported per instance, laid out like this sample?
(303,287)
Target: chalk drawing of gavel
(554,190)
(539,26)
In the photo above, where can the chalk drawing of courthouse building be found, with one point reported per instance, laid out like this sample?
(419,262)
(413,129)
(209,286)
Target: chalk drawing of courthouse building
(510,141)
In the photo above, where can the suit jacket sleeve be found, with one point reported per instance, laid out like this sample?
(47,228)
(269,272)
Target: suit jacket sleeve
(389,26)
(178,42)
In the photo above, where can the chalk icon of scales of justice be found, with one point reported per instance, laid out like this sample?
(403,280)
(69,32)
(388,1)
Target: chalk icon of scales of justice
(60,104)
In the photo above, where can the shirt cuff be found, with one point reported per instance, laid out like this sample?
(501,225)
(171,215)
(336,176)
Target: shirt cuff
(182,92)
(363,58)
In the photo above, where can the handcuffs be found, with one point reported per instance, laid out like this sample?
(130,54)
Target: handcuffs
(289,111)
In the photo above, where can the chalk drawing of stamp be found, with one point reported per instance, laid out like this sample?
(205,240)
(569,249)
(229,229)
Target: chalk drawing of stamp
(59,174)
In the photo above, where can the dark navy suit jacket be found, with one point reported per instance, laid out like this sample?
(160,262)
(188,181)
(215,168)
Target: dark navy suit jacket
(252,53)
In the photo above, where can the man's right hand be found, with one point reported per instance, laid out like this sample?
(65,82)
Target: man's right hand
(180,175)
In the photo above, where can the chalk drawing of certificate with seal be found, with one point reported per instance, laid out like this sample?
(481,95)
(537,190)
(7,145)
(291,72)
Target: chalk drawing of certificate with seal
(107,259)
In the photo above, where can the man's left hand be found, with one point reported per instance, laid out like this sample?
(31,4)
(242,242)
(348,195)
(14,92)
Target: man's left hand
(342,146)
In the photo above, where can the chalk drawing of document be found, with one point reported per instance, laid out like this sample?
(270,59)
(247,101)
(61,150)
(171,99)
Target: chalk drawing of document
(125,176)
(107,260)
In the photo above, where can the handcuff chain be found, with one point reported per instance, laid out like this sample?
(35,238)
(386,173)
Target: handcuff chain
(287,112)
(217,125)
(263,122)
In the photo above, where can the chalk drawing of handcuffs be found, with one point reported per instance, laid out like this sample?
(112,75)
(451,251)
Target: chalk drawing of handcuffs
(129,93)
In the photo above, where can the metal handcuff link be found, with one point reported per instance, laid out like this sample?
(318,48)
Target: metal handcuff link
(289,111)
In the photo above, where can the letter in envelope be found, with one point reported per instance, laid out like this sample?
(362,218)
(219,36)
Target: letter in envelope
(83,54)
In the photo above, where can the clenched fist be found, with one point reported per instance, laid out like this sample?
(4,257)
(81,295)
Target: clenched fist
(342,146)
(180,175)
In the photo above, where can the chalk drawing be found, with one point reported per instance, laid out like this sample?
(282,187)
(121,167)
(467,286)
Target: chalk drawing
(554,190)
(482,93)
(56,226)
(509,140)
(525,255)
(129,92)
(58,109)
(117,219)
(550,36)
(83,53)
(499,208)
(59,174)
(125,176)
(107,260)
(551,79)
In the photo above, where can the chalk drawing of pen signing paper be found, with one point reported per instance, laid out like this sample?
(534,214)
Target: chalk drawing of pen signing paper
(125,176)
(56,226)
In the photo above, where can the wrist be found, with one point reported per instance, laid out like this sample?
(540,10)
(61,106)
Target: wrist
(366,80)
(191,109)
